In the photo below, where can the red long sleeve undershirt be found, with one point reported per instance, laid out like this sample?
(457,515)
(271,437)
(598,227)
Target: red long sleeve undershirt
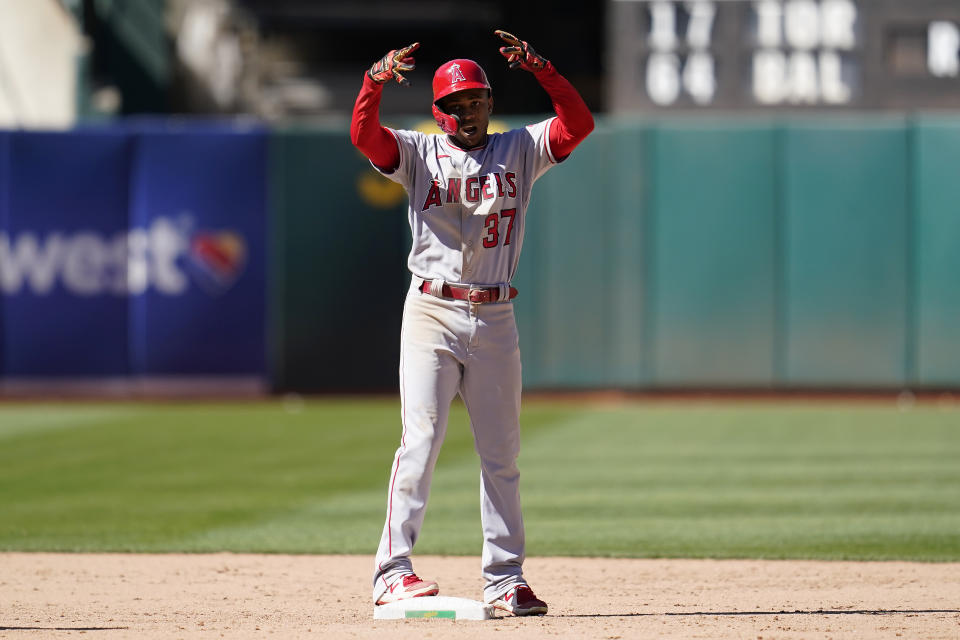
(574,121)
(366,132)
(572,124)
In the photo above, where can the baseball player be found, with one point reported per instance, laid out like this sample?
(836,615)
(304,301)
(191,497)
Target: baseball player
(469,192)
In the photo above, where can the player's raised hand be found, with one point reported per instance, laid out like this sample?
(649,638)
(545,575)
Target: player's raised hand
(520,53)
(390,65)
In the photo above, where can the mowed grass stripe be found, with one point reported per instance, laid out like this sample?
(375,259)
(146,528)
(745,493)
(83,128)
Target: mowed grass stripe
(199,477)
(725,480)
(169,472)
(352,521)
(32,419)
(750,481)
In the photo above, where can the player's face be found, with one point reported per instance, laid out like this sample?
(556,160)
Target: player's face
(473,107)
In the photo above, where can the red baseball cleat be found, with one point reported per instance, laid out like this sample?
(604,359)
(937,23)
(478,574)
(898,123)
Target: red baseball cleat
(520,601)
(408,586)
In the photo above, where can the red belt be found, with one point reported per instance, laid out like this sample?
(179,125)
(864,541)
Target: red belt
(473,294)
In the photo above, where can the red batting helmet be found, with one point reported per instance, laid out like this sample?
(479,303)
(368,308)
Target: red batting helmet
(451,77)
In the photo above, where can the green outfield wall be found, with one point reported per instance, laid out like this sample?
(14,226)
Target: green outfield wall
(721,253)
(339,245)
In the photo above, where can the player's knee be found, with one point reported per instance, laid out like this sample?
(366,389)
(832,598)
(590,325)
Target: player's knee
(501,468)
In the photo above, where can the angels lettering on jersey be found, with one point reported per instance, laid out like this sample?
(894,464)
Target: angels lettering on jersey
(467,208)
(471,190)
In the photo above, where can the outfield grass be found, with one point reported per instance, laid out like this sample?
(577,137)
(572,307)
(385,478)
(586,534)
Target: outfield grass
(731,479)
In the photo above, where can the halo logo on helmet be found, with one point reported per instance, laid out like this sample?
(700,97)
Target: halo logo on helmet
(455,75)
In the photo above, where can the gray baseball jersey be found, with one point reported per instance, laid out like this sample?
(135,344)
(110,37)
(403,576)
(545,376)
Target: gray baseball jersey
(467,207)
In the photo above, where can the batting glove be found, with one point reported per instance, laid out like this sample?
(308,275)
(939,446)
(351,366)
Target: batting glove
(521,54)
(390,65)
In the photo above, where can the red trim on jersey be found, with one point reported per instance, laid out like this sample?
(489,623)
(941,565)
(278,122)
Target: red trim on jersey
(396,139)
(375,141)
(574,122)
(546,141)
(451,144)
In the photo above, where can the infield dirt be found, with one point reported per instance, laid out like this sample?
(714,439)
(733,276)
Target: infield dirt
(119,596)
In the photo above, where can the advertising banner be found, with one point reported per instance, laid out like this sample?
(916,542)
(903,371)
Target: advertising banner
(133,251)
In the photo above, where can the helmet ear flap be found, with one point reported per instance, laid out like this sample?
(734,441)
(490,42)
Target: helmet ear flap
(447,123)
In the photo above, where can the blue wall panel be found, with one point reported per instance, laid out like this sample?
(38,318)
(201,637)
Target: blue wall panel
(64,255)
(200,199)
(4,227)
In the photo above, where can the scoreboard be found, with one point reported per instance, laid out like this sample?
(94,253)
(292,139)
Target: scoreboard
(782,54)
